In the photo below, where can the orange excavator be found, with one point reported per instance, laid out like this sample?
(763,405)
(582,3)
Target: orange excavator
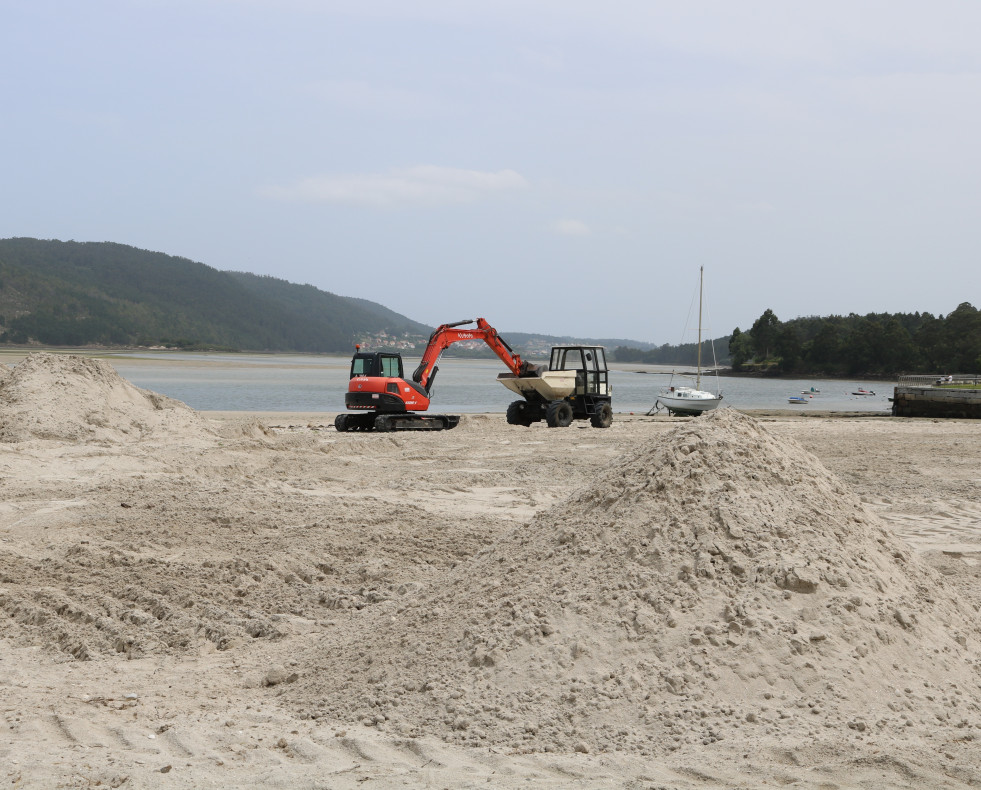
(382,399)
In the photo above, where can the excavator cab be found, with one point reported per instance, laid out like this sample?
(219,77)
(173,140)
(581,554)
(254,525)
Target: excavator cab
(382,399)
(377,364)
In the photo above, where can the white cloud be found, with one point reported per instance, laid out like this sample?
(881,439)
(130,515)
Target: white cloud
(423,184)
(571,227)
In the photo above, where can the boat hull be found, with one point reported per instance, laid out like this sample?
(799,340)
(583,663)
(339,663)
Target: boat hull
(688,402)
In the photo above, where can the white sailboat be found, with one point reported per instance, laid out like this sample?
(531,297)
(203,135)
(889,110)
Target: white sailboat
(690,401)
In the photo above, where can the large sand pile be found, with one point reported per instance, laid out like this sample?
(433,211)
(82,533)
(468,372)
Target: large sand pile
(72,398)
(715,583)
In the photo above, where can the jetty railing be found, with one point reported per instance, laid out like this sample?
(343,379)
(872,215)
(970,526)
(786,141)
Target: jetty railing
(952,380)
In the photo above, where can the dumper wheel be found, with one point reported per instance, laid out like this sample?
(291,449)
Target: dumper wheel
(602,417)
(558,414)
(519,413)
(341,424)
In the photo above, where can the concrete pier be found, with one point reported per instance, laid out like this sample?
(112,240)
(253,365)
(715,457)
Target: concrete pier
(915,399)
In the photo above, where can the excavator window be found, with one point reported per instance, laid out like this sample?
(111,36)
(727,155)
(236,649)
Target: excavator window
(391,367)
(361,365)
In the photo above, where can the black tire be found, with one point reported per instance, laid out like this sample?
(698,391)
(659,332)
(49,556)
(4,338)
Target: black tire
(341,423)
(519,413)
(603,416)
(559,414)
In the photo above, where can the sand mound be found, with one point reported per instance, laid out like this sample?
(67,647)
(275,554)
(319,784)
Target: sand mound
(716,583)
(71,398)
(247,428)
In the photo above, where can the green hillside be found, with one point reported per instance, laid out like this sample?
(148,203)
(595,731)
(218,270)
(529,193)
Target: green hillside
(100,293)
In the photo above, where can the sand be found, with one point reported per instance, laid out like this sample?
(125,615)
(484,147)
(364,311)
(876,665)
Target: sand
(228,600)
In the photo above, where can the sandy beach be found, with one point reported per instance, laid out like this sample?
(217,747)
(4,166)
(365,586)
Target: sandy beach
(204,599)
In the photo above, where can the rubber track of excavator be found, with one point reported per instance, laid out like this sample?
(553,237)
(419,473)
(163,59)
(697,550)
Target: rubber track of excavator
(416,422)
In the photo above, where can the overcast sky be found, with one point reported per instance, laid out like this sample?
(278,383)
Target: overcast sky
(560,166)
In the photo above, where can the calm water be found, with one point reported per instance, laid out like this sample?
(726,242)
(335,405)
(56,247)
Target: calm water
(282,382)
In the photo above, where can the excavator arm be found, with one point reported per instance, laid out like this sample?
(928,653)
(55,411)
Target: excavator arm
(447,334)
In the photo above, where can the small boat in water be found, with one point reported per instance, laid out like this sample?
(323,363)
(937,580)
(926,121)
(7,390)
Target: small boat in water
(796,399)
(862,391)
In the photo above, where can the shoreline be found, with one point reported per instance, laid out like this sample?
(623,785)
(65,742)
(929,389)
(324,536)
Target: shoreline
(327,417)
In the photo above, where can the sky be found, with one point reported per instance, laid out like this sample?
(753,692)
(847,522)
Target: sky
(561,167)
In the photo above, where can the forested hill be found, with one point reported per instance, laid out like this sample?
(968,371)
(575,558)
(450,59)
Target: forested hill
(100,293)
(882,344)
(876,344)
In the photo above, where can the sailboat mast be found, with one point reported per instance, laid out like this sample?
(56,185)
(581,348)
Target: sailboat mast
(698,380)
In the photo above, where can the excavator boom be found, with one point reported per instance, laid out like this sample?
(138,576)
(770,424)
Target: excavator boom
(447,334)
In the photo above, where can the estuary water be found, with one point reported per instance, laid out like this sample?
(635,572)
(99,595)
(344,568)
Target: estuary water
(317,383)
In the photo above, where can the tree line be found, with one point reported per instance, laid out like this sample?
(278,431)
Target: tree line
(877,344)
